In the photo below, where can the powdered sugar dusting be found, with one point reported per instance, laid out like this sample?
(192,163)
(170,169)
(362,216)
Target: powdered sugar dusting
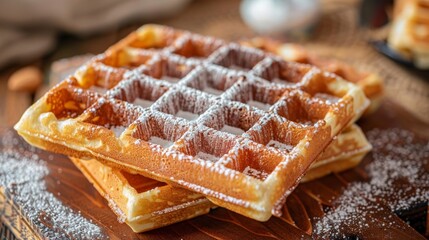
(238,68)
(255,173)
(232,130)
(327,97)
(206,156)
(259,105)
(115,208)
(97,89)
(212,91)
(282,81)
(398,180)
(159,141)
(187,115)
(143,102)
(280,145)
(170,79)
(118,130)
(22,176)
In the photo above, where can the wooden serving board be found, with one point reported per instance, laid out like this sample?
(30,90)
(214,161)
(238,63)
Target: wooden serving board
(308,202)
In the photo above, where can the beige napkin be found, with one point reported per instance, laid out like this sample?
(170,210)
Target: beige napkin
(28,28)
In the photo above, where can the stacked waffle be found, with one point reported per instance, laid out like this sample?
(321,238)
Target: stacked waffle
(409,34)
(175,123)
(371,83)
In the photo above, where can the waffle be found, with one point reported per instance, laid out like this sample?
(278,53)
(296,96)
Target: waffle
(345,152)
(215,109)
(146,204)
(371,83)
(409,33)
(142,203)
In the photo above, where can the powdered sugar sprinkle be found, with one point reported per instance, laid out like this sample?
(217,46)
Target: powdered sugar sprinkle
(22,177)
(398,180)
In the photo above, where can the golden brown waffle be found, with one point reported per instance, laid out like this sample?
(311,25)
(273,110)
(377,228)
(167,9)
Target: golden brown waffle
(233,123)
(409,33)
(345,152)
(143,203)
(371,83)
(146,204)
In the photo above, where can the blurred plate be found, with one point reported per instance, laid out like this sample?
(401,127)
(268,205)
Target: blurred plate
(382,47)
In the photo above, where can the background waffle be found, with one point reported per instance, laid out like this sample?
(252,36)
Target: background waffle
(146,204)
(215,109)
(371,83)
(409,33)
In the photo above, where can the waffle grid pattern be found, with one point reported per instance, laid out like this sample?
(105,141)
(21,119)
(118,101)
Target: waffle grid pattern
(234,123)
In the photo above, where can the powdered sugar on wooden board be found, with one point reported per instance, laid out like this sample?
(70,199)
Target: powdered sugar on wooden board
(22,179)
(399,179)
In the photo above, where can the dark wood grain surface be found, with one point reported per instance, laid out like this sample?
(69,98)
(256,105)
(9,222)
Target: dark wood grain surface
(308,202)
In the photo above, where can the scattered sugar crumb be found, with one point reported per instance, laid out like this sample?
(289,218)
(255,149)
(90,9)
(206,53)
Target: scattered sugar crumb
(162,142)
(232,130)
(398,180)
(206,156)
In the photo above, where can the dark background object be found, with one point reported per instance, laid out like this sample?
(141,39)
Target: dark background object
(382,47)
(374,13)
